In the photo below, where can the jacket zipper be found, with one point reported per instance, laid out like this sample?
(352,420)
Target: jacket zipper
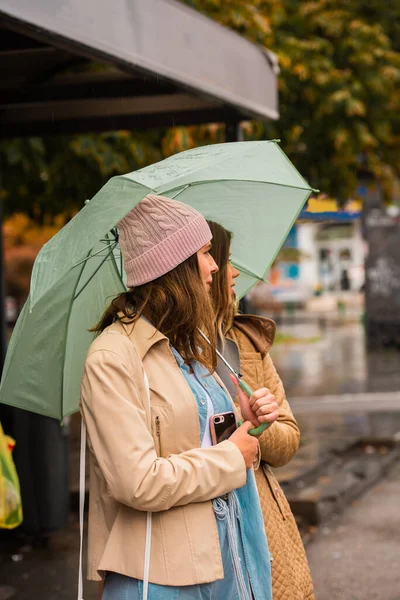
(158,433)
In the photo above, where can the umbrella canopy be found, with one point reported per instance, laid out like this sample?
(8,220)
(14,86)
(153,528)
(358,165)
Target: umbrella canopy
(251,188)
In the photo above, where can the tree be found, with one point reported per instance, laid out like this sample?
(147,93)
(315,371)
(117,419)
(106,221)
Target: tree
(339,83)
(339,104)
(47,177)
(47,180)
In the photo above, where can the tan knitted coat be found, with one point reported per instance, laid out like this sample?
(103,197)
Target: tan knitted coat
(291,578)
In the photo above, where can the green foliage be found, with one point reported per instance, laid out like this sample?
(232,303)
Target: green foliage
(339,105)
(339,83)
(45,177)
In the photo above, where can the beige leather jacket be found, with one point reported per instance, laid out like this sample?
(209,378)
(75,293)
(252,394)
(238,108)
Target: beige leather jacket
(150,462)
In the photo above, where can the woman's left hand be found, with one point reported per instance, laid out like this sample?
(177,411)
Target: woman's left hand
(260,408)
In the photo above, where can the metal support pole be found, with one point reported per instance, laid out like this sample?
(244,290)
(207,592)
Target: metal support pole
(232,131)
(3,320)
(6,412)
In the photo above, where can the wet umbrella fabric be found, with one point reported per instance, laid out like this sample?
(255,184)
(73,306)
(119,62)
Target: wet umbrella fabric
(251,188)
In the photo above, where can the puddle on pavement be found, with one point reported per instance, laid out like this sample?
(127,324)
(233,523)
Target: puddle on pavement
(323,434)
(338,363)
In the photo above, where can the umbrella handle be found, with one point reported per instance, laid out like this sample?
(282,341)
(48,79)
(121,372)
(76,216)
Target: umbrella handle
(245,387)
(247,390)
(259,429)
(256,430)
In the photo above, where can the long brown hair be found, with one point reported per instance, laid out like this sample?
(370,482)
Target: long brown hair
(177,304)
(224,308)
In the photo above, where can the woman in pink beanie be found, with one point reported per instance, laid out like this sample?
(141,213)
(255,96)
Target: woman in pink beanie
(171,516)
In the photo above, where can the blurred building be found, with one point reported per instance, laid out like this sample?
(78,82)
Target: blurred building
(324,252)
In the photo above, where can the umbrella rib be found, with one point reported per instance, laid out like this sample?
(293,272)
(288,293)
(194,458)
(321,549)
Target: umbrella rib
(95,254)
(193,183)
(65,341)
(297,171)
(119,271)
(112,246)
(180,191)
(247,271)
(75,296)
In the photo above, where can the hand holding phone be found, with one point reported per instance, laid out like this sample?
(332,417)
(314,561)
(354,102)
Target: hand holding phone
(222,426)
(247,444)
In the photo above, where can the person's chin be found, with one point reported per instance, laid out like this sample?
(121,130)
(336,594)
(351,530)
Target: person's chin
(232,298)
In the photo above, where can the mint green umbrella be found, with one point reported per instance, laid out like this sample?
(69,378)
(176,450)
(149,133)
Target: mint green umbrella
(251,188)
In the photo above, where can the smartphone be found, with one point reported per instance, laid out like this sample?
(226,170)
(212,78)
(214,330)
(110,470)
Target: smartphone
(222,426)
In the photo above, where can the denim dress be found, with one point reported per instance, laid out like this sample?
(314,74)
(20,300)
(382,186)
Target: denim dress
(244,547)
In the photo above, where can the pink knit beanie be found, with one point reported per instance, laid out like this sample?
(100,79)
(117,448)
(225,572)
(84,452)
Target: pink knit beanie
(158,235)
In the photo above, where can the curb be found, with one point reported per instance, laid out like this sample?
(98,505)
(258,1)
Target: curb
(318,494)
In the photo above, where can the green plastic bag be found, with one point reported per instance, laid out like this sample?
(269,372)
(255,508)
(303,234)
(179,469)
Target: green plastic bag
(10,495)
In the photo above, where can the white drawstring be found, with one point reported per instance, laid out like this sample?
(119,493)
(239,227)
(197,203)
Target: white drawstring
(149,515)
(82,489)
(82,486)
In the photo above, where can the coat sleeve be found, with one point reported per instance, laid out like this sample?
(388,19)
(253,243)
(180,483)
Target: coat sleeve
(280,442)
(123,446)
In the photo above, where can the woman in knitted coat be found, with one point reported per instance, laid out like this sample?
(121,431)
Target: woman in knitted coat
(245,341)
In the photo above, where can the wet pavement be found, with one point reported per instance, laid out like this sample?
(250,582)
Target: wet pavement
(357,556)
(339,392)
(337,363)
(353,557)
(326,434)
(49,573)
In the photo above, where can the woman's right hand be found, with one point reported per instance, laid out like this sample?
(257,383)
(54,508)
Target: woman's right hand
(247,444)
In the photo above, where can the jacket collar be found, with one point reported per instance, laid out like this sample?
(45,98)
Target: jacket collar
(142,334)
(260,330)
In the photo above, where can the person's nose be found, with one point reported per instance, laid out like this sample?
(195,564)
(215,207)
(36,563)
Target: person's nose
(213,265)
(235,272)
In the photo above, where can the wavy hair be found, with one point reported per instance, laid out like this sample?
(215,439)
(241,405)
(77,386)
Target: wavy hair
(178,305)
(224,308)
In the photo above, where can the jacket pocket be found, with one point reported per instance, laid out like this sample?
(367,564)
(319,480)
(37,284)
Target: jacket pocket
(158,435)
(163,430)
(156,432)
